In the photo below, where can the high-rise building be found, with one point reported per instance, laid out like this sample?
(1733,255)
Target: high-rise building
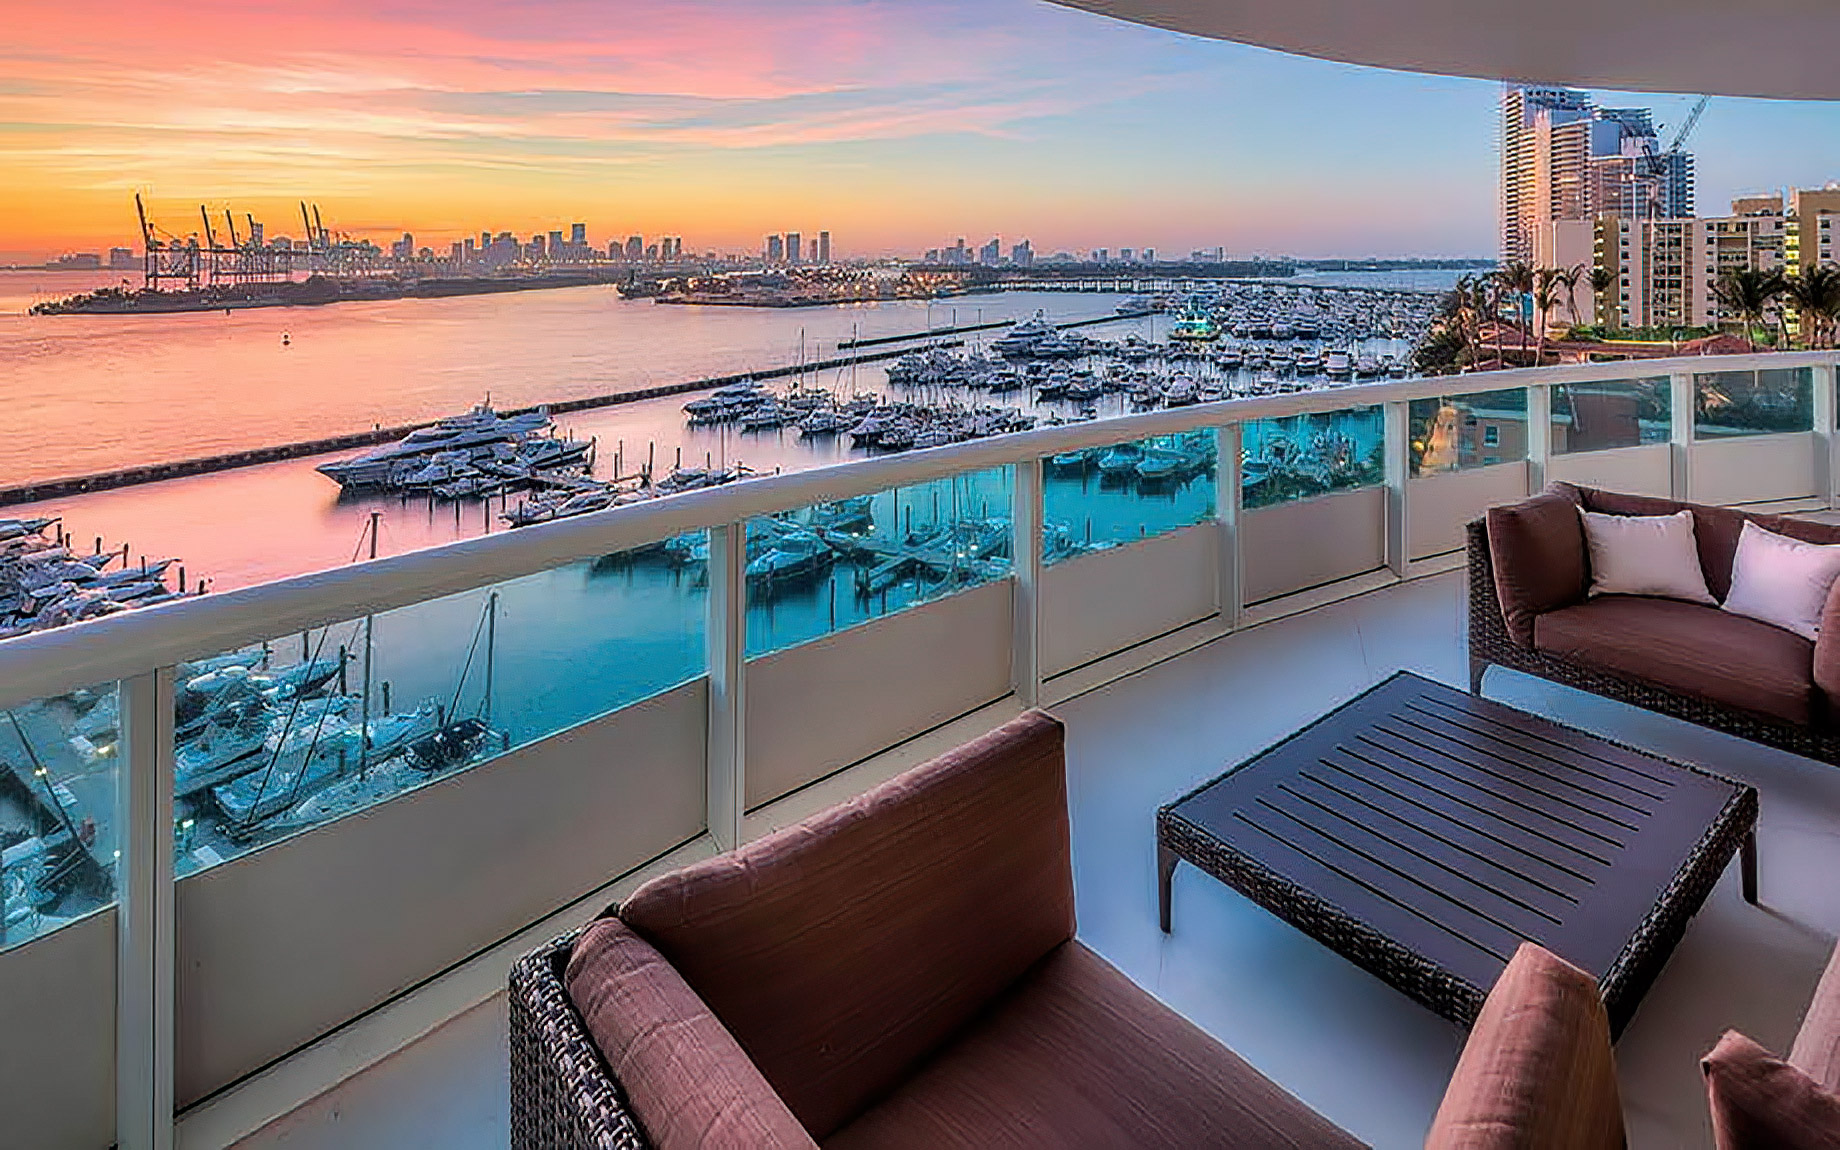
(776,249)
(1149,255)
(635,248)
(1664,272)
(992,252)
(1808,237)
(1565,161)
(824,248)
(1021,254)
(1127,255)
(578,236)
(121,259)
(1102,255)
(795,248)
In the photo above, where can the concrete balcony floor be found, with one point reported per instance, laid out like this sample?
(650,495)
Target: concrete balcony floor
(1360,1052)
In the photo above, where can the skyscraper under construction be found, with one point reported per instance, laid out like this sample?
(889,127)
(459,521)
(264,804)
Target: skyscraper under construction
(1565,160)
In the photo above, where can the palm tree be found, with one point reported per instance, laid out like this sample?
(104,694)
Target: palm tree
(1602,280)
(1568,279)
(1815,293)
(1747,293)
(1514,280)
(1546,283)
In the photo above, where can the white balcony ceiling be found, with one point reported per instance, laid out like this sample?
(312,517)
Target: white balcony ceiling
(1774,48)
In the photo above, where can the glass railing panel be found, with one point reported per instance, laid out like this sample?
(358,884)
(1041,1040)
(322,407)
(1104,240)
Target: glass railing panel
(59,845)
(1456,432)
(820,569)
(1306,455)
(282,737)
(1733,403)
(1615,413)
(1101,497)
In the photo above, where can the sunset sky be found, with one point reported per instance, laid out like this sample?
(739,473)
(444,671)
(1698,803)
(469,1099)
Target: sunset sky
(896,124)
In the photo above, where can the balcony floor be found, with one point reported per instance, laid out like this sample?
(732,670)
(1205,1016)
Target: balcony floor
(1363,1054)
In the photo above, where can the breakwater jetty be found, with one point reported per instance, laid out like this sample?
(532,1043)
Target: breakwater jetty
(64,487)
(154,472)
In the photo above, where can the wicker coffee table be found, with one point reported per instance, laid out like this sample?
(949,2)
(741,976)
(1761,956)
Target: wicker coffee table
(1423,833)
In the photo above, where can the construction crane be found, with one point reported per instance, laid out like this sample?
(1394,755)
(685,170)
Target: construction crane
(148,243)
(1656,164)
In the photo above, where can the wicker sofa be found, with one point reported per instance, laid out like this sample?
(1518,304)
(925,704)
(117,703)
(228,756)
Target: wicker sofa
(1528,610)
(901,971)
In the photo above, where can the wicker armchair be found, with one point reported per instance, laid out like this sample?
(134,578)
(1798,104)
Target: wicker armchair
(1064,1052)
(563,1094)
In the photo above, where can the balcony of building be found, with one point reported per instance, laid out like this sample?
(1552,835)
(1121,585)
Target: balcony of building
(313,951)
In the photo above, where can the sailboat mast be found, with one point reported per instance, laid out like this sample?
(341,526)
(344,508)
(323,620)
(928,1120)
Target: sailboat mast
(491,649)
(364,742)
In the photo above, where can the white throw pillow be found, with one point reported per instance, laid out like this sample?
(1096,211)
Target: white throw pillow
(1781,580)
(1645,555)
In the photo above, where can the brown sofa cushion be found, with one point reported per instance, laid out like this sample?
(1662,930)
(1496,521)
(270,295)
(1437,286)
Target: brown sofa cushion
(1689,649)
(1760,1102)
(1078,1056)
(1537,1072)
(687,1079)
(843,951)
(1715,528)
(1538,551)
(1816,1052)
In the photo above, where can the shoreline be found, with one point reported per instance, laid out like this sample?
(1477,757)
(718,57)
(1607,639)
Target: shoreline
(316,291)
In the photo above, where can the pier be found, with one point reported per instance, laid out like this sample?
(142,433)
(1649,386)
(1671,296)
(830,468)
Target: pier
(964,328)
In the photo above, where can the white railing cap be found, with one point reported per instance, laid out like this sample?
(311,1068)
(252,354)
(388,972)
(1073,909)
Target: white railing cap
(51,662)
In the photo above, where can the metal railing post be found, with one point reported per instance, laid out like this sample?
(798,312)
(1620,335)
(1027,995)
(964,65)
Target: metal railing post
(726,628)
(1397,423)
(144,915)
(1683,407)
(1539,435)
(1824,433)
(1229,594)
(1026,514)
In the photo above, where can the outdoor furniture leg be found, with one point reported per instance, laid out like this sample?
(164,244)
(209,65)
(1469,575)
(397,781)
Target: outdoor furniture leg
(1165,871)
(1747,867)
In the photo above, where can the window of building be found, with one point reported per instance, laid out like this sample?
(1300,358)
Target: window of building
(1491,437)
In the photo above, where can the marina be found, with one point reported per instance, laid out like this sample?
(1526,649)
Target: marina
(281,737)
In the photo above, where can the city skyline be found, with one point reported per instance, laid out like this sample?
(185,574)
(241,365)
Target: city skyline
(897,126)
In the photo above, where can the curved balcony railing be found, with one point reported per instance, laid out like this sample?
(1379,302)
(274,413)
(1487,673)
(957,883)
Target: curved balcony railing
(642,677)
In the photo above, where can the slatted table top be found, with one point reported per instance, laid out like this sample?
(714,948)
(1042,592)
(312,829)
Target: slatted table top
(1424,833)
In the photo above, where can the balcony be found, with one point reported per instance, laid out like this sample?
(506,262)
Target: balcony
(653,683)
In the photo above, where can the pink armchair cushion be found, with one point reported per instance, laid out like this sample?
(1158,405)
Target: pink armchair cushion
(1538,551)
(1760,1102)
(1537,1072)
(844,951)
(688,1081)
